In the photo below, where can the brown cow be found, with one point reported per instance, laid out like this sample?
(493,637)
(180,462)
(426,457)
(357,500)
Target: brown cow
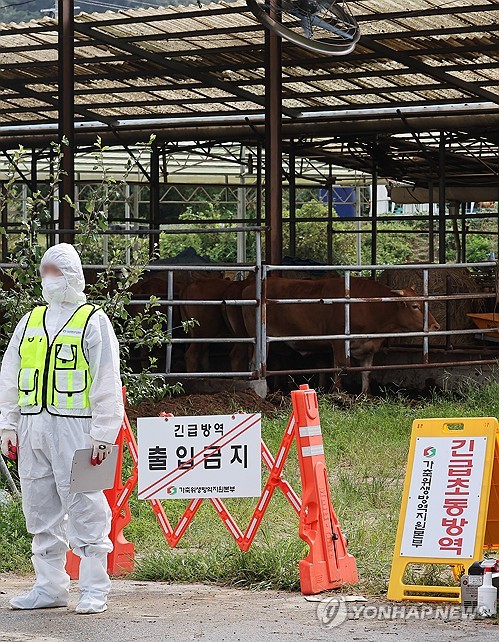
(213,322)
(290,319)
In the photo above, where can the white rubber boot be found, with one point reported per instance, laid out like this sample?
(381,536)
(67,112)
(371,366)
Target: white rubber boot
(94,584)
(51,589)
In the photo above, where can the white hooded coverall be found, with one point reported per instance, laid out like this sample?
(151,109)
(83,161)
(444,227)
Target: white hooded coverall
(57,518)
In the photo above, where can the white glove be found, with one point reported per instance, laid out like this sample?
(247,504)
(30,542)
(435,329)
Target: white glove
(8,443)
(100,450)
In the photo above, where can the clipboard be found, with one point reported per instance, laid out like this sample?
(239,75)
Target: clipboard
(86,478)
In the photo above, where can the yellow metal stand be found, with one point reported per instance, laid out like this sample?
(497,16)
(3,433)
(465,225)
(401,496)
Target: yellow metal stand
(487,533)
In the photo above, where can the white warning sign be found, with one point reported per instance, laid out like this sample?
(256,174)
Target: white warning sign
(444,497)
(206,456)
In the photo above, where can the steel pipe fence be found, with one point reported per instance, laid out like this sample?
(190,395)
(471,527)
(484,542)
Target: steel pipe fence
(348,300)
(263,339)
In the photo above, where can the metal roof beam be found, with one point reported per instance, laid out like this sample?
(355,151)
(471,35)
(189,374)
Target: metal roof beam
(407,34)
(317,93)
(433,11)
(311,62)
(40,135)
(198,13)
(31,65)
(173,66)
(325,63)
(435,72)
(162,17)
(470,114)
(123,19)
(52,101)
(32,47)
(292,54)
(155,101)
(322,112)
(150,37)
(115,75)
(18,30)
(197,33)
(492,27)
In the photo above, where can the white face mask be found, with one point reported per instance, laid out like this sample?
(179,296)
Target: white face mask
(54,288)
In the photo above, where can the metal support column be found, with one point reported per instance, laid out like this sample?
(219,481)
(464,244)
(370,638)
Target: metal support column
(4,221)
(34,171)
(292,199)
(273,148)
(259,186)
(154,197)
(128,216)
(441,199)
(464,231)
(241,207)
(431,224)
(65,45)
(329,186)
(358,226)
(374,215)
(169,323)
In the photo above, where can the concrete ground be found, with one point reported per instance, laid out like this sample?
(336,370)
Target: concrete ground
(153,611)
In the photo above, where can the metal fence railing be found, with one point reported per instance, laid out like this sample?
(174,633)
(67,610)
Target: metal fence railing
(348,336)
(263,337)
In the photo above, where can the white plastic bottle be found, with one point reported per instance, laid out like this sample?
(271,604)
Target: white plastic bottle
(487,593)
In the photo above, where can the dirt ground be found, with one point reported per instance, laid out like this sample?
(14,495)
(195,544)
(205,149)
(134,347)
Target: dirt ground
(226,402)
(212,404)
(156,611)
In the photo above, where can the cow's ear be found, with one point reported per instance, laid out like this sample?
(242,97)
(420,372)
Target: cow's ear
(398,292)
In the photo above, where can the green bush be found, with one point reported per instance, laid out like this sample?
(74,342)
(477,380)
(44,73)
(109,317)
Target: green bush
(478,248)
(312,237)
(218,247)
(396,244)
(144,330)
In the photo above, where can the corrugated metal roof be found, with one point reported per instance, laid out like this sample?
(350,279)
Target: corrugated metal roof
(223,41)
(186,62)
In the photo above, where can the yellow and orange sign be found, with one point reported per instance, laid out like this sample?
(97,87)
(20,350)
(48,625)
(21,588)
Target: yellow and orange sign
(450,502)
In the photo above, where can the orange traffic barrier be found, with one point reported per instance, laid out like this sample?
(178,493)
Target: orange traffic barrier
(120,560)
(328,565)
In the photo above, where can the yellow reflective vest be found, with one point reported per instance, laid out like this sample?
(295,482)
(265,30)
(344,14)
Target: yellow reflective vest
(55,376)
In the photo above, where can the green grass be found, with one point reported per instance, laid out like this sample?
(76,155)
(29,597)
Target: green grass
(15,543)
(366,449)
(264,566)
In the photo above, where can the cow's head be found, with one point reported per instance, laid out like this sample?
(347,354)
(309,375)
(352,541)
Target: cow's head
(410,315)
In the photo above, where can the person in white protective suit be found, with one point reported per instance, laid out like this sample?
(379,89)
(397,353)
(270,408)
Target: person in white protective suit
(60,391)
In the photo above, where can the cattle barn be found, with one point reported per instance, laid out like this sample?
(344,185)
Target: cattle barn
(305,172)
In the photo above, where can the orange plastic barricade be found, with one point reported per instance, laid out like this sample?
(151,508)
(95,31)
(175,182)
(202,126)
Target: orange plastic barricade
(120,560)
(328,564)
